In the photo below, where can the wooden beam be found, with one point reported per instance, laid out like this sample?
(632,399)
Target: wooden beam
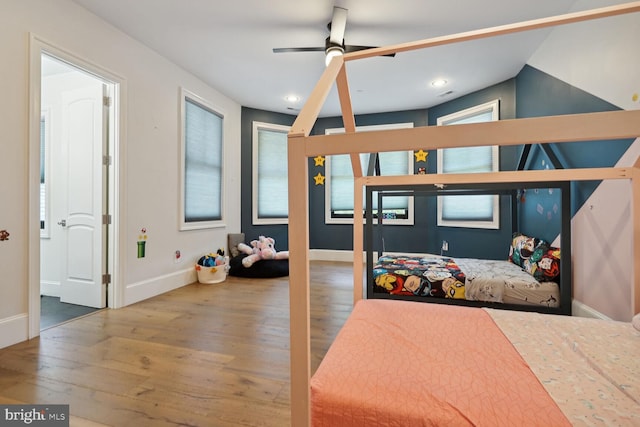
(348,119)
(311,109)
(548,175)
(635,223)
(358,240)
(553,129)
(299,279)
(533,24)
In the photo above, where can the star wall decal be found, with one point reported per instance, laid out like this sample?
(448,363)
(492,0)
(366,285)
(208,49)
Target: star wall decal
(319,179)
(421,156)
(319,160)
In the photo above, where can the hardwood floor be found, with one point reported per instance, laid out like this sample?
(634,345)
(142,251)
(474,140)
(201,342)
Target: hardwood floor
(201,355)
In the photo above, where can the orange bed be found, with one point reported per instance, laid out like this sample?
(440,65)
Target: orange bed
(400,363)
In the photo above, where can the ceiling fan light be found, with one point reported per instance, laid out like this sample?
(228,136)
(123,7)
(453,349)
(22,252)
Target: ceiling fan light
(439,83)
(332,52)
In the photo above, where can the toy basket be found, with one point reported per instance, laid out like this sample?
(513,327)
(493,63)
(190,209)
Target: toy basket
(212,268)
(215,274)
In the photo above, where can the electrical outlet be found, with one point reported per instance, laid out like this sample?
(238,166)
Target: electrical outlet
(177,257)
(445,246)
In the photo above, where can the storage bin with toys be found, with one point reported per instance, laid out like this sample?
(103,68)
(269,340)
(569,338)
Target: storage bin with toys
(213,268)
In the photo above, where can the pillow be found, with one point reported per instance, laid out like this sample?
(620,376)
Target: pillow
(265,268)
(536,257)
(548,267)
(525,251)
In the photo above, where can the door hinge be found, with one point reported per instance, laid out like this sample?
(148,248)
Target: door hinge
(106,279)
(106,160)
(106,219)
(106,101)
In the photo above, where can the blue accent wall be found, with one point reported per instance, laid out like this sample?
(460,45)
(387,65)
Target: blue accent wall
(540,94)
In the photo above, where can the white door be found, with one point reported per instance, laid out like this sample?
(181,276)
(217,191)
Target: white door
(81,188)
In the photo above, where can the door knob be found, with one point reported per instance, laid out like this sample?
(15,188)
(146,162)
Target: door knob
(62,222)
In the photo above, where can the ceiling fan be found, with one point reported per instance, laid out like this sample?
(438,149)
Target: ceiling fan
(334,44)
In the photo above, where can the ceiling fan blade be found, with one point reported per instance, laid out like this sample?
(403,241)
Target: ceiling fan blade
(354,48)
(338,25)
(297,49)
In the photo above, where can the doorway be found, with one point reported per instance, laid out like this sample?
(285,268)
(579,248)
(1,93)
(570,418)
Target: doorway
(75,160)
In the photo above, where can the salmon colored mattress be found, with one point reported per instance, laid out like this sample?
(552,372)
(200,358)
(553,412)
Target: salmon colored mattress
(400,363)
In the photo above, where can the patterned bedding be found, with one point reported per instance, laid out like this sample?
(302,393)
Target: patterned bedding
(461,278)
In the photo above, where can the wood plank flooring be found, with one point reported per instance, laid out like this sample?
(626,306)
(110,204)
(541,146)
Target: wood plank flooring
(202,355)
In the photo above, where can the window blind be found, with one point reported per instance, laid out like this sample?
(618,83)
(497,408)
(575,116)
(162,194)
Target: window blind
(203,163)
(273,200)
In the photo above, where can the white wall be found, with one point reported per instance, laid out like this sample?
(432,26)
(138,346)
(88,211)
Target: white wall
(601,57)
(148,157)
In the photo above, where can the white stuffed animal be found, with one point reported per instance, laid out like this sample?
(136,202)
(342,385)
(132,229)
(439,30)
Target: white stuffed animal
(263,248)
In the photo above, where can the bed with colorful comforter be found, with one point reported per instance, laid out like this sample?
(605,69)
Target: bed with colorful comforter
(403,363)
(528,277)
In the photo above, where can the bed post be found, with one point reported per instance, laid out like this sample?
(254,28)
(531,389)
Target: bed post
(635,219)
(299,277)
(349,123)
(299,307)
(566,275)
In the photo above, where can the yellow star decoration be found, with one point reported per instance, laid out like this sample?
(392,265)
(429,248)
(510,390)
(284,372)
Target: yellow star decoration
(319,179)
(421,156)
(319,160)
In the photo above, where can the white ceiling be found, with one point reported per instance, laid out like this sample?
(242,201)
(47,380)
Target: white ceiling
(228,44)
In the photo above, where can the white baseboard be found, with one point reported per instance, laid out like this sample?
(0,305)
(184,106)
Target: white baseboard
(332,255)
(49,288)
(145,289)
(582,310)
(14,329)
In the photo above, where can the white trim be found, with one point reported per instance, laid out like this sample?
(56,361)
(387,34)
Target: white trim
(582,310)
(327,168)
(50,288)
(160,284)
(182,225)
(494,224)
(14,329)
(335,255)
(256,220)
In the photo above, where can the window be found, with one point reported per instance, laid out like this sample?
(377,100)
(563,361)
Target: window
(339,182)
(202,162)
(44,172)
(270,179)
(476,211)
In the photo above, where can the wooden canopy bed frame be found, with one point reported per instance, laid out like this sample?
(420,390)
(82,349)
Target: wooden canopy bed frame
(302,146)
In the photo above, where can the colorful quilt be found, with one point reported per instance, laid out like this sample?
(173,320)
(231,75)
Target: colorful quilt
(424,276)
(428,275)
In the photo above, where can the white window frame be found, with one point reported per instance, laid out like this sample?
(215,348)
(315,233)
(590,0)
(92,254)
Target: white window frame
(45,189)
(494,223)
(196,225)
(255,149)
(410,158)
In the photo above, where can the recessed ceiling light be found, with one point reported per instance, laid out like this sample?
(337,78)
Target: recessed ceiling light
(438,83)
(292,98)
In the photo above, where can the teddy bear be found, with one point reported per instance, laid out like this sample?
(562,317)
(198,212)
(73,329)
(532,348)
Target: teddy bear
(263,248)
